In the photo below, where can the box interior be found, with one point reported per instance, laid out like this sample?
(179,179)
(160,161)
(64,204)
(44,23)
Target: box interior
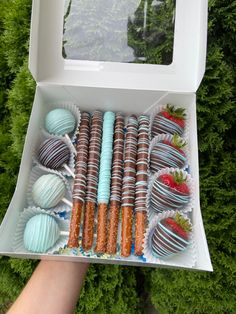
(89,99)
(116,86)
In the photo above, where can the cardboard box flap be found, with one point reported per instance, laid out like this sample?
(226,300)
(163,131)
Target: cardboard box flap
(52,60)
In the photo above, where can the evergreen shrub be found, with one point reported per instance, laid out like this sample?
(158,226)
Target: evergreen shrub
(116,289)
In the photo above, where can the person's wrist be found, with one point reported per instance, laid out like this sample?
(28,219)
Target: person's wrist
(65,264)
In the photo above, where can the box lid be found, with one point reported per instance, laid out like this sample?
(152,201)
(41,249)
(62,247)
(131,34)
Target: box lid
(183,74)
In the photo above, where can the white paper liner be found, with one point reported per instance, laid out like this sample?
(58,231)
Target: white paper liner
(159,108)
(36,173)
(188,208)
(73,108)
(18,240)
(42,137)
(168,137)
(186,258)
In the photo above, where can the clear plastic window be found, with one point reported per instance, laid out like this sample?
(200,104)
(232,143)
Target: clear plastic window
(136,31)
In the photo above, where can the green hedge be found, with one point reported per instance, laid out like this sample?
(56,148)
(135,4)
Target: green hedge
(113,289)
(193,292)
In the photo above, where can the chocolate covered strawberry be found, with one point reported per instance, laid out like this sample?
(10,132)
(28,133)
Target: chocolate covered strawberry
(176,142)
(170,192)
(170,120)
(167,179)
(168,152)
(171,236)
(180,182)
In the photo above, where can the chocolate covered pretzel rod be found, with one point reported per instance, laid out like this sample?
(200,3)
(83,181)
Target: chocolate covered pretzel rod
(116,184)
(128,189)
(80,179)
(141,185)
(104,180)
(92,180)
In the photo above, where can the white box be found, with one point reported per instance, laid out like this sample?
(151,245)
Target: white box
(127,87)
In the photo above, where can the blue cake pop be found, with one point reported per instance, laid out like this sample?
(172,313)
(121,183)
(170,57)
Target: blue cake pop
(60,122)
(48,191)
(41,233)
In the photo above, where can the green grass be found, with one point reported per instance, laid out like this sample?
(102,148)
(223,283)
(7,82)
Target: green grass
(115,289)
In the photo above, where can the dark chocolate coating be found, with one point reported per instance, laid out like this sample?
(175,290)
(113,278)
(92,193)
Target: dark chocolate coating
(130,155)
(117,165)
(92,179)
(164,155)
(166,242)
(141,182)
(53,153)
(164,197)
(94,156)
(128,188)
(82,146)
(142,163)
(161,125)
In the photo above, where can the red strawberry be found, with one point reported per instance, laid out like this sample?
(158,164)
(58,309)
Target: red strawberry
(180,183)
(166,114)
(182,188)
(168,180)
(177,142)
(167,142)
(179,225)
(176,115)
(170,222)
(178,121)
(181,151)
(174,146)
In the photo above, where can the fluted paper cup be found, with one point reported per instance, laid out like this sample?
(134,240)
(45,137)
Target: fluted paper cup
(71,163)
(167,137)
(73,108)
(186,258)
(25,216)
(185,207)
(160,108)
(35,174)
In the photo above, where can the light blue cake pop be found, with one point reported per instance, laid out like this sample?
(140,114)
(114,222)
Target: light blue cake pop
(48,191)
(41,233)
(60,122)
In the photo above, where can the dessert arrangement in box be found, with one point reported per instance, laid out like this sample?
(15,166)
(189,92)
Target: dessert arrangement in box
(108,185)
(109,172)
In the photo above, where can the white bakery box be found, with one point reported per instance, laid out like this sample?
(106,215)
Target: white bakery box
(118,86)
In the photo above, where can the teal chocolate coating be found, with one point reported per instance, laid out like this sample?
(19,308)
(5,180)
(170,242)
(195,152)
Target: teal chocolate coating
(60,122)
(48,190)
(106,158)
(41,233)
